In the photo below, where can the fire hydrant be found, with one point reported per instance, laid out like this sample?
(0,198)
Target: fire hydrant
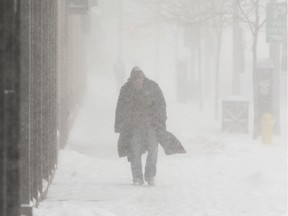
(267,126)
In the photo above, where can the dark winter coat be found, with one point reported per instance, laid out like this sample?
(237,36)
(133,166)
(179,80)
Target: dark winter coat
(142,109)
(146,107)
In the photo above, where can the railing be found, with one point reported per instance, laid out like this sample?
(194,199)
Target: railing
(41,91)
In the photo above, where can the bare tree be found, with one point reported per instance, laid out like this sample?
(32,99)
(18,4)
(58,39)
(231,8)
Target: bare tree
(193,15)
(219,9)
(250,12)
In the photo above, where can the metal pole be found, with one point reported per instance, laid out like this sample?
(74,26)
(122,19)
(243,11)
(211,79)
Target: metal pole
(25,147)
(54,83)
(44,82)
(36,104)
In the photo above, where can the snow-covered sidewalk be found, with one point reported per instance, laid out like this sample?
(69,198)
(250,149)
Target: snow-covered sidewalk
(220,175)
(212,180)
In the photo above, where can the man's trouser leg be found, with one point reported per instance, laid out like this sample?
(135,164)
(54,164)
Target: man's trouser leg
(136,168)
(151,161)
(136,162)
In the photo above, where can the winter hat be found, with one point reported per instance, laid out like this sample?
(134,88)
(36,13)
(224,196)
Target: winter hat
(136,73)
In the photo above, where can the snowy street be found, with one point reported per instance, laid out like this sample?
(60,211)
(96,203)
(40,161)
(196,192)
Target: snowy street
(221,175)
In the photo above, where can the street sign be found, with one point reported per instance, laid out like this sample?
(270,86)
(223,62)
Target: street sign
(276,25)
(77,6)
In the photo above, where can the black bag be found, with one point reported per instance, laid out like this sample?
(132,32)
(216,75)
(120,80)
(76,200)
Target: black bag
(170,143)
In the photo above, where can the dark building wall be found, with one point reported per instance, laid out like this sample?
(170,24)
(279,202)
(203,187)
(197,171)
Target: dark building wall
(9,103)
(41,91)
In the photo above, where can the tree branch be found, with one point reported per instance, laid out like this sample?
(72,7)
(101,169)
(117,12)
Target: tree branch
(246,18)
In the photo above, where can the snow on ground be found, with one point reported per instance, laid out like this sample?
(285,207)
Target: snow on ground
(221,175)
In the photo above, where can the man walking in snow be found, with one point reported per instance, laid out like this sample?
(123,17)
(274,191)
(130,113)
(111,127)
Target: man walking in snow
(140,117)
